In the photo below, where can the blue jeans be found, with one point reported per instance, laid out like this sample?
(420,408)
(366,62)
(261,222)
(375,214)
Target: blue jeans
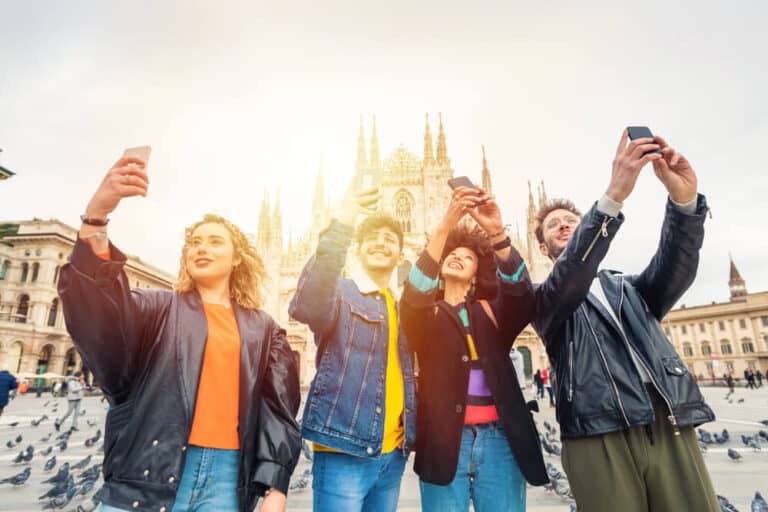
(208,483)
(486,473)
(345,483)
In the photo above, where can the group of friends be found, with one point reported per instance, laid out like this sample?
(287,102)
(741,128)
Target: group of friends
(204,390)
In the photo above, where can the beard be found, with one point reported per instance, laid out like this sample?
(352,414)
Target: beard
(553,250)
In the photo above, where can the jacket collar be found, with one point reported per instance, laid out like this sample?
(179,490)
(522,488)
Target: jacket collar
(610,296)
(366,285)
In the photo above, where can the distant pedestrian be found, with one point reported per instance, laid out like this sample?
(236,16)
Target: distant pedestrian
(759,376)
(7,383)
(539,384)
(731,384)
(749,376)
(548,385)
(74,399)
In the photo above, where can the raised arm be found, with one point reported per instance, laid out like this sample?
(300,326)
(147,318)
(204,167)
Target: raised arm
(673,267)
(315,302)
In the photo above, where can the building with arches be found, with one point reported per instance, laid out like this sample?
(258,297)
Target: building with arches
(723,337)
(33,336)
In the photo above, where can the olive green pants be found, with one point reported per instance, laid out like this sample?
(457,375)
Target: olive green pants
(643,469)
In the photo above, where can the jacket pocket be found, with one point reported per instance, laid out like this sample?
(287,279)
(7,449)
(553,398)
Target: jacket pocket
(118,418)
(674,366)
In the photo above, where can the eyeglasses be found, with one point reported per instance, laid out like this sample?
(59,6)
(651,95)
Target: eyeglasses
(554,222)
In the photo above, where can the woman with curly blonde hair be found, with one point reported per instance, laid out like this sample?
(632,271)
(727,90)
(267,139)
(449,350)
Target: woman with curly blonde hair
(202,382)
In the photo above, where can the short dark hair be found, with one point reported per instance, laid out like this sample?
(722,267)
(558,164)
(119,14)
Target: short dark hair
(78,373)
(475,239)
(377,221)
(549,207)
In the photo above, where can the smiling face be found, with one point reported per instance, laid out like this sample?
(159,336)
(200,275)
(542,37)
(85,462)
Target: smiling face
(379,250)
(209,254)
(557,228)
(460,265)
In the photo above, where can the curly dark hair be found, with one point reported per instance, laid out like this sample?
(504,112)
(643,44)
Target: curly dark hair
(549,207)
(475,239)
(377,221)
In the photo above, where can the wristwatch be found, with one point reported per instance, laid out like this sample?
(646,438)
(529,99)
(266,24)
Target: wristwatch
(503,244)
(92,221)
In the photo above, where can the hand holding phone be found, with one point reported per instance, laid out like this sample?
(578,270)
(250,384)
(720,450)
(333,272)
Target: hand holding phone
(141,152)
(463,181)
(641,132)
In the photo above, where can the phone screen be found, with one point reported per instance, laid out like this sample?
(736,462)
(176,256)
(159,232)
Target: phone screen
(142,152)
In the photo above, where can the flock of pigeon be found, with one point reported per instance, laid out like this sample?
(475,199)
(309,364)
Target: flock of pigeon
(70,480)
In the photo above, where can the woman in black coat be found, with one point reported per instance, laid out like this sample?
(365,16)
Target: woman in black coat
(464,303)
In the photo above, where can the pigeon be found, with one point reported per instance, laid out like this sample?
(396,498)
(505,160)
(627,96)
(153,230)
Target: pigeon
(92,423)
(10,444)
(740,401)
(46,403)
(308,453)
(725,505)
(13,424)
(39,420)
(62,445)
(64,436)
(93,440)
(81,464)
(302,482)
(85,487)
(61,500)
(734,455)
(763,434)
(562,489)
(46,438)
(703,447)
(764,422)
(61,476)
(91,473)
(18,439)
(59,489)
(47,451)
(18,479)
(548,426)
(50,463)
(705,437)
(759,504)
(722,438)
(553,472)
(25,456)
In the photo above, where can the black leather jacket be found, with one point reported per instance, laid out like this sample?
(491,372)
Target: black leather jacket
(145,348)
(599,388)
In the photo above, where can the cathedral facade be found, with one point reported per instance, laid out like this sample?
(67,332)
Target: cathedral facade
(415,192)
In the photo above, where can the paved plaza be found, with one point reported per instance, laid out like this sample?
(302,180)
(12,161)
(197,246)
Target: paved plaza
(738,481)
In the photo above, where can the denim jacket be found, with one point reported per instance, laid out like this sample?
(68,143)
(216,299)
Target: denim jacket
(345,406)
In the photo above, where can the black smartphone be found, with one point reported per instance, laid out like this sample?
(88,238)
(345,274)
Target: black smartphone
(462,181)
(641,132)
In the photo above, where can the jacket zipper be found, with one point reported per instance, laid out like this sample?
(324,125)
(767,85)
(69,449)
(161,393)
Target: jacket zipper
(605,362)
(603,232)
(671,418)
(570,371)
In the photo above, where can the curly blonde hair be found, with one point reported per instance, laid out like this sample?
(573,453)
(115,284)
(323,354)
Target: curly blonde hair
(246,279)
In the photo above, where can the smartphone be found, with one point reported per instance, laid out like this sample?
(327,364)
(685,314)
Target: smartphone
(142,152)
(641,132)
(462,181)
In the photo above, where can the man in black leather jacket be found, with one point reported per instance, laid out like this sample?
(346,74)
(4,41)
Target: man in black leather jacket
(626,403)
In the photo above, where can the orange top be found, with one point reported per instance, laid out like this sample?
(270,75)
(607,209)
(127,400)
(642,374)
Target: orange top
(216,412)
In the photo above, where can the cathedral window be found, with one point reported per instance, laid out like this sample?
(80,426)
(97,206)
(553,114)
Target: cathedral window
(404,212)
(53,312)
(23,309)
(35,271)
(4,269)
(24,272)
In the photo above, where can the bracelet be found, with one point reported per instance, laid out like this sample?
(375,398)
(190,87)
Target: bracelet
(98,235)
(503,231)
(502,244)
(92,221)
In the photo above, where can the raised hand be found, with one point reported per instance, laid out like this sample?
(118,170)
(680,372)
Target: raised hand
(676,173)
(487,214)
(357,203)
(462,201)
(628,163)
(126,178)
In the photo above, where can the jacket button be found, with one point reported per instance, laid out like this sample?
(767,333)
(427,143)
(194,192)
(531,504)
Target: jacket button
(378,410)
(465,358)
(458,407)
(146,472)
(155,442)
(369,450)
(678,370)
(135,504)
(183,448)
(162,509)
(171,480)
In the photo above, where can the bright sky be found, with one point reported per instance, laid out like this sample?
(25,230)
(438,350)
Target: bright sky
(241,97)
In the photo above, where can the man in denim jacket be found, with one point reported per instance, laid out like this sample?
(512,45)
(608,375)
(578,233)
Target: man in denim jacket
(360,412)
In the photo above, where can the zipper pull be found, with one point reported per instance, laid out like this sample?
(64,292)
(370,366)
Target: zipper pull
(604,228)
(673,421)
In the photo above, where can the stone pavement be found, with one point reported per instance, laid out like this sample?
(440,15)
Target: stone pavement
(737,481)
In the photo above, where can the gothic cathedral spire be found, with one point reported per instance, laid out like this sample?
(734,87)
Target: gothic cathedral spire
(374,145)
(429,156)
(486,175)
(362,159)
(737,285)
(442,148)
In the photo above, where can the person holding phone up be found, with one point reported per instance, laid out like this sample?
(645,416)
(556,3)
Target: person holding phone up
(465,301)
(626,403)
(201,382)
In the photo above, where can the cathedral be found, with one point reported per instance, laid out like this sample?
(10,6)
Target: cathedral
(414,191)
